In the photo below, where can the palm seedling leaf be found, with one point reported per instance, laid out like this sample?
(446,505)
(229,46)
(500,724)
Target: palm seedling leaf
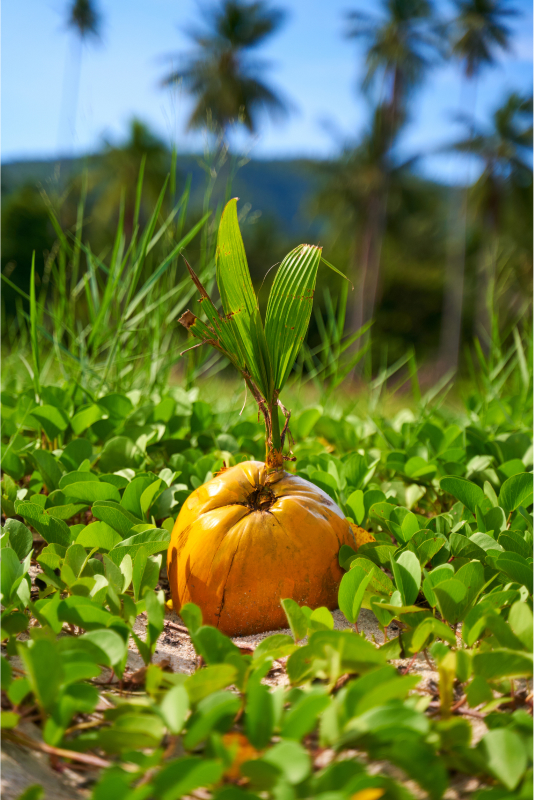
(239,301)
(217,332)
(289,308)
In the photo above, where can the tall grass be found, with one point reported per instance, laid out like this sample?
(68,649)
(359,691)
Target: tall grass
(109,321)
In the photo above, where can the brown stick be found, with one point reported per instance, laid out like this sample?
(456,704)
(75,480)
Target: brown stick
(410,664)
(459,704)
(72,755)
(180,628)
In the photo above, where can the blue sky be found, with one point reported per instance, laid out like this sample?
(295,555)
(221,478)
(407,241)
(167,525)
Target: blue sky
(311,63)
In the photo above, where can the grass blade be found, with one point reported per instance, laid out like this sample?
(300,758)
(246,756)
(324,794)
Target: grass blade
(33,330)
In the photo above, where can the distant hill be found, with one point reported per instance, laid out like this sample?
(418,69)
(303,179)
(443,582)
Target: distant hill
(279,189)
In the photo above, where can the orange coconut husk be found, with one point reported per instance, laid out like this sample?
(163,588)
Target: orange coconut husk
(242,542)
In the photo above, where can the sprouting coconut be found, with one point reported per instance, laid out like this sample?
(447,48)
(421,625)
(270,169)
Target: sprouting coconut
(255,533)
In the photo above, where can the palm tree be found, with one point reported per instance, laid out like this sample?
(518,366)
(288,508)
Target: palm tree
(354,193)
(119,172)
(401,44)
(504,151)
(85,21)
(221,74)
(477,32)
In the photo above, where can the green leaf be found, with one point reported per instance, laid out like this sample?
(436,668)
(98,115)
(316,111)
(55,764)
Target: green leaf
(276,646)
(148,496)
(346,555)
(216,709)
(6,673)
(86,417)
(465,491)
(115,515)
(320,619)
(117,405)
(100,535)
(259,710)
(472,576)
(351,591)
(49,468)
(120,453)
(182,776)
(484,542)
(505,756)
(431,627)
(502,663)
(515,543)
(495,520)
(131,732)
(301,718)
(516,568)
(452,597)
(33,792)
(377,552)
(53,531)
(192,617)
(44,670)
(380,583)
(11,571)
(409,526)
(326,482)
(153,541)
(355,504)
(83,612)
(131,498)
(407,572)
(8,719)
(75,453)
(305,422)
(174,709)
(12,465)
(213,645)
(291,759)
(516,491)
(91,491)
(520,619)
(418,468)
(76,477)
(111,647)
(295,616)
(427,545)
(67,511)
(19,538)
(206,682)
(376,688)
(53,420)
(289,309)
(478,691)
(240,303)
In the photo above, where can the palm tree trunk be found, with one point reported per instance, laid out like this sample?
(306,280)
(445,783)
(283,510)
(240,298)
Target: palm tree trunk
(377,240)
(453,295)
(70,94)
(369,272)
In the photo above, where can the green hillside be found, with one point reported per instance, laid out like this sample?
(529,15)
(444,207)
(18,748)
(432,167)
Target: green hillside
(277,188)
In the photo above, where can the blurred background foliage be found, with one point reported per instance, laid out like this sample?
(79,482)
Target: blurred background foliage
(432,265)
